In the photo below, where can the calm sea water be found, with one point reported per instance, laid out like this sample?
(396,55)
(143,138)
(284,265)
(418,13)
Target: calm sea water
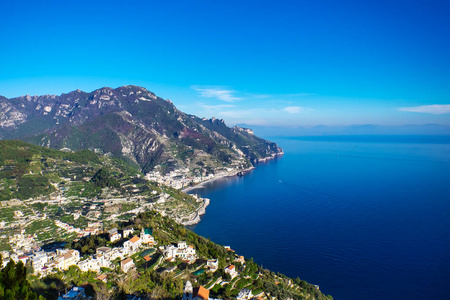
(364,218)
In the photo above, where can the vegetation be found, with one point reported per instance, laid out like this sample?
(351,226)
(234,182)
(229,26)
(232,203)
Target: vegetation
(103,179)
(28,171)
(14,284)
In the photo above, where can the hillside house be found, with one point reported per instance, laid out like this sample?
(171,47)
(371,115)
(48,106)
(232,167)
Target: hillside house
(114,235)
(213,264)
(200,293)
(182,251)
(66,258)
(38,261)
(90,264)
(146,236)
(127,232)
(231,269)
(244,294)
(102,277)
(133,244)
(126,265)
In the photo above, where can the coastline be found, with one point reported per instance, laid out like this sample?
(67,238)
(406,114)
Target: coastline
(195,217)
(221,176)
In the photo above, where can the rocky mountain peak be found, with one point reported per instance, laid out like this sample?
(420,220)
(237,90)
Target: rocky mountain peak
(129,122)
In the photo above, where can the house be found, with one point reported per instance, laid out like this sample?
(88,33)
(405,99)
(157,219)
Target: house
(182,251)
(126,265)
(117,253)
(186,253)
(188,291)
(170,269)
(66,258)
(244,294)
(102,277)
(24,259)
(75,293)
(114,235)
(200,293)
(213,264)
(240,259)
(38,261)
(170,252)
(104,251)
(133,244)
(103,257)
(231,269)
(89,265)
(127,232)
(146,236)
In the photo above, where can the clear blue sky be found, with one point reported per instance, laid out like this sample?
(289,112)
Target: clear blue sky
(258,62)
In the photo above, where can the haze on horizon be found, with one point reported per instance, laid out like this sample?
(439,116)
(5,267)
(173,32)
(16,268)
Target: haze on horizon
(289,63)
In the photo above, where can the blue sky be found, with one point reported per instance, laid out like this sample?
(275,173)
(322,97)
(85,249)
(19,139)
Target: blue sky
(283,63)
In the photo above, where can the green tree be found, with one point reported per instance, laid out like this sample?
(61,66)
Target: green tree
(14,284)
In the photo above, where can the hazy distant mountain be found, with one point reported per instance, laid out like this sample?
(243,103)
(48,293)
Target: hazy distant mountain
(369,129)
(132,123)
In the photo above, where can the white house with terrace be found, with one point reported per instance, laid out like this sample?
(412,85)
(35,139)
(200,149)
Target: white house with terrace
(181,251)
(133,244)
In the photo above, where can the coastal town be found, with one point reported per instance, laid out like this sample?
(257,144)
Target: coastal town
(128,250)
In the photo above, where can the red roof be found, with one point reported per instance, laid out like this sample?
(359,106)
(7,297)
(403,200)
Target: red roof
(147,258)
(101,277)
(126,261)
(134,239)
(201,292)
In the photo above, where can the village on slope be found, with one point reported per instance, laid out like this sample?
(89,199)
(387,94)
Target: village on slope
(129,252)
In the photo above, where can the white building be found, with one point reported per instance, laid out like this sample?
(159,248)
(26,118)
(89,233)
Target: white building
(90,264)
(66,258)
(114,235)
(182,251)
(38,261)
(231,269)
(133,244)
(213,264)
(127,232)
(146,236)
(244,294)
(126,265)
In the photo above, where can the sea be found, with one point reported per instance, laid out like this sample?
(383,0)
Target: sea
(363,217)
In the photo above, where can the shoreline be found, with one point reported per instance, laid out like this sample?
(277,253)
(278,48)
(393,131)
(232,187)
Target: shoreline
(195,217)
(201,184)
(202,209)
(200,212)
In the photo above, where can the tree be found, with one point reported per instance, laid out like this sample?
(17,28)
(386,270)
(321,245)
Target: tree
(14,284)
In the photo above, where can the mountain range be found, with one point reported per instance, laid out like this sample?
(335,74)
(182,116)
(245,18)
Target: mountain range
(134,124)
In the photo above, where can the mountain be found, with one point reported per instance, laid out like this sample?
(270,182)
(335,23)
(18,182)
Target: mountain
(134,124)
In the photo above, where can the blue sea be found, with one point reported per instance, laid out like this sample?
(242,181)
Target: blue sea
(363,217)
